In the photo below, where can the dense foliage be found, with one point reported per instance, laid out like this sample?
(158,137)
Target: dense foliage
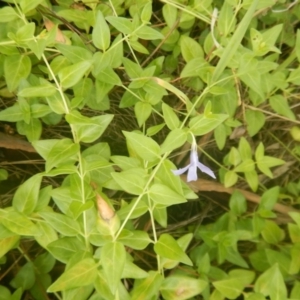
(109,106)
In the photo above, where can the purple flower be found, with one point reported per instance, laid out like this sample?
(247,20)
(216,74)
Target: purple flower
(193,165)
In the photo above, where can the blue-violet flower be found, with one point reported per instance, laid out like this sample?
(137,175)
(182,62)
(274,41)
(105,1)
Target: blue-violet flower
(193,165)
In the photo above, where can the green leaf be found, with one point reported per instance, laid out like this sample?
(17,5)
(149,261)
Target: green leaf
(271,283)
(272,233)
(175,139)
(7,14)
(143,146)
(48,234)
(162,194)
(74,54)
(56,104)
(230,288)
(108,76)
(64,248)
(281,106)
(201,124)
(28,5)
(132,69)
(113,257)
(167,247)
(169,14)
(178,287)
(133,271)
(245,149)
(87,129)
(101,33)
(18,223)
(146,12)
(190,48)
(148,33)
(62,223)
(220,135)
(237,203)
(25,277)
(32,129)
(269,198)
(26,197)
(247,165)
(170,117)
(12,114)
(123,25)
(3,174)
(135,239)
(16,68)
(56,152)
(142,112)
(133,181)
(7,244)
(235,41)
(81,274)
(147,288)
(255,121)
(252,179)
(71,75)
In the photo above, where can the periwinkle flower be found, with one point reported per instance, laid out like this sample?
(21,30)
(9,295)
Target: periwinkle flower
(193,165)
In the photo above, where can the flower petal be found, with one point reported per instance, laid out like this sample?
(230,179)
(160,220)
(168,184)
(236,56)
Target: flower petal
(206,170)
(192,173)
(180,171)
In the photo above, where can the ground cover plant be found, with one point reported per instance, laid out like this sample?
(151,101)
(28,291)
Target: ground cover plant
(149,149)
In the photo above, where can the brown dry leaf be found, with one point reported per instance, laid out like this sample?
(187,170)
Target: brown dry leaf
(11,142)
(104,210)
(59,35)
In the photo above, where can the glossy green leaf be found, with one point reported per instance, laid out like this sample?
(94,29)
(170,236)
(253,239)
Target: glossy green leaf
(167,247)
(162,194)
(26,197)
(62,223)
(16,68)
(71,75)
(113,257)
(143,146)
(175,139)
(81,274)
